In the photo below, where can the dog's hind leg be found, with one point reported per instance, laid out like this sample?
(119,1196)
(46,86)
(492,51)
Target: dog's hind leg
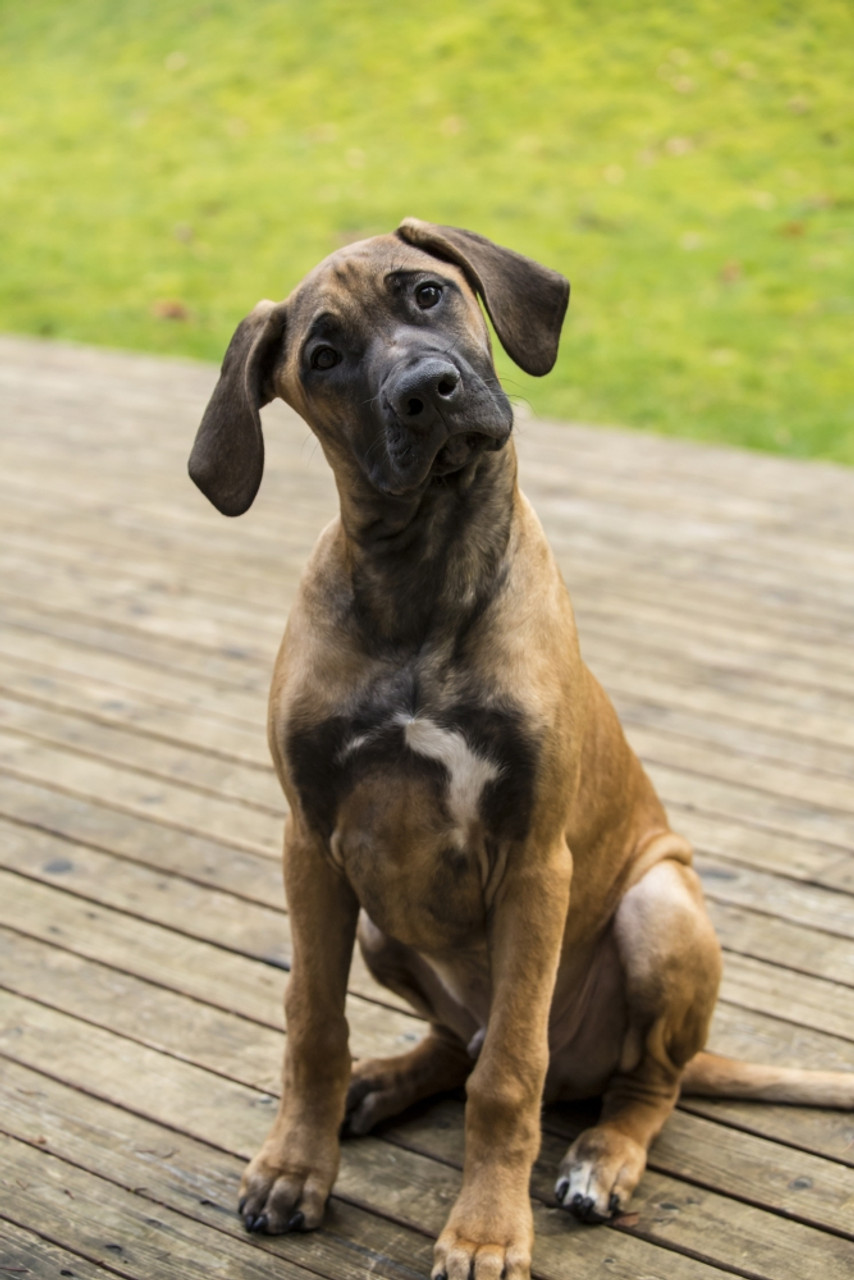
(671,966)
(383,1087)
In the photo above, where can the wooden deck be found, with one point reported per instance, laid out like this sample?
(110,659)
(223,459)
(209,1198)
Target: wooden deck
(144,941)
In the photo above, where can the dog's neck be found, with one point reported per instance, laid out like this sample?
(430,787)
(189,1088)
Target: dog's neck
(430,562)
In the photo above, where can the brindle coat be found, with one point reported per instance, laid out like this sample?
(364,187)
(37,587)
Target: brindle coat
(460,790)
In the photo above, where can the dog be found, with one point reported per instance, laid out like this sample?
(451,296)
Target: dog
(461,795)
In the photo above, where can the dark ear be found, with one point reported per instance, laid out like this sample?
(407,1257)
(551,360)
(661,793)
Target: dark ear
(227,459)
(525,302)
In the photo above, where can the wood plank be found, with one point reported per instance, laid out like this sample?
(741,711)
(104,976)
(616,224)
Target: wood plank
(127,791)
(63,658)
(797,712)
(24,1254)
(736,1031)
(708,1156)
(166,561)
(133,602)
(126,746)
(748,932)
(810,932)
(224,979)
(808,904)
(223,672)
(114,705)
(757,638)
(43,672)
(740,726)
(776,852)
(789,1181)
(412,1189)
(40,825)
(147,940)
(247,784)
(661,1192)
(188,1029)
(216,1030)
(190,566)
(280,568)
(249,830)
(690,487)
(32,910)
(118,1229)
(657,623)
(111,705)
(621,664)
(215,871)
(812,789)
(32,523)
(219,588)
(750,807)
(789,995)
(823,542)
(191,766)
(199,1180)
(139,607)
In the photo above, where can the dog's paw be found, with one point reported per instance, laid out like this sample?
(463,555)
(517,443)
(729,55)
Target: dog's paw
(376,1092)
(486,1245)
(457,1258)
(384,1087)
(276,1197)
(598,1175)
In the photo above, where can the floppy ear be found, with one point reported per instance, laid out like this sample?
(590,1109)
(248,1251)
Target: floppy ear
(525,302)
(227,459)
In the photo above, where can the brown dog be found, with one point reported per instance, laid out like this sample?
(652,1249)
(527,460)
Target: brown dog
(453,769)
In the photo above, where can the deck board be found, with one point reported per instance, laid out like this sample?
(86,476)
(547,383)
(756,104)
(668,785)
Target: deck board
(143,937)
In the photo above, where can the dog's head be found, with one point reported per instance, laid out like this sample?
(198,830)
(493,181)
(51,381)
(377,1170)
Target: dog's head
(384,351)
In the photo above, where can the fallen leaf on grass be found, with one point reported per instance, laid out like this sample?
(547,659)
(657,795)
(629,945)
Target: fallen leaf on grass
(170,309)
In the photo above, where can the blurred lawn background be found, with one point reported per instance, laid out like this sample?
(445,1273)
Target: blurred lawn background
(690,167)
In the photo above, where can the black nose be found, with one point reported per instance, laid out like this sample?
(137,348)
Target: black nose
(422,390)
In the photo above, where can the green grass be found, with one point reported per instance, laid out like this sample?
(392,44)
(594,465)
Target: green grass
(689,166)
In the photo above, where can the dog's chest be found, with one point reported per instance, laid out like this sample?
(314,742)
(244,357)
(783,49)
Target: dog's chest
(416,803)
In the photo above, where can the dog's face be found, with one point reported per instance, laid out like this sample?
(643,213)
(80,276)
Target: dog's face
(387,356)
(384,351)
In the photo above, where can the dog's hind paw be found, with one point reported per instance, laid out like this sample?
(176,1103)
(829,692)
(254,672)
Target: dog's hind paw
(383,1087)
(378,1090)
(598,1175)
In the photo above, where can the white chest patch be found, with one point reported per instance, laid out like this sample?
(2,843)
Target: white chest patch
(469,772)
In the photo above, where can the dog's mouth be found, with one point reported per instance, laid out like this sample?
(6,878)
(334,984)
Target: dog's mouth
(457,452)
(408,461)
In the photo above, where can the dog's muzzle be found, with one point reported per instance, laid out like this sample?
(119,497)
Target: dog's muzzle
(437,416)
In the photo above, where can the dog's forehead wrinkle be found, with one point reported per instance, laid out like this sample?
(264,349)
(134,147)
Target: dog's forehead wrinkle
(377,261)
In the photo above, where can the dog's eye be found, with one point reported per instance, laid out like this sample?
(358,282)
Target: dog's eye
(324,358)
(427,295)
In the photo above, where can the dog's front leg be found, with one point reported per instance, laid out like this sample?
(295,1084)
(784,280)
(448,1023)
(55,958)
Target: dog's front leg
(287,1184)
(490,1230)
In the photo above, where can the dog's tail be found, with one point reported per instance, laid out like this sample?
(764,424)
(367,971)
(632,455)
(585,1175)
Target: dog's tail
(714,1076)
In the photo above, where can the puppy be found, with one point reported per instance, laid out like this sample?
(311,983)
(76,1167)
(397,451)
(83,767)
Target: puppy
(460,791)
